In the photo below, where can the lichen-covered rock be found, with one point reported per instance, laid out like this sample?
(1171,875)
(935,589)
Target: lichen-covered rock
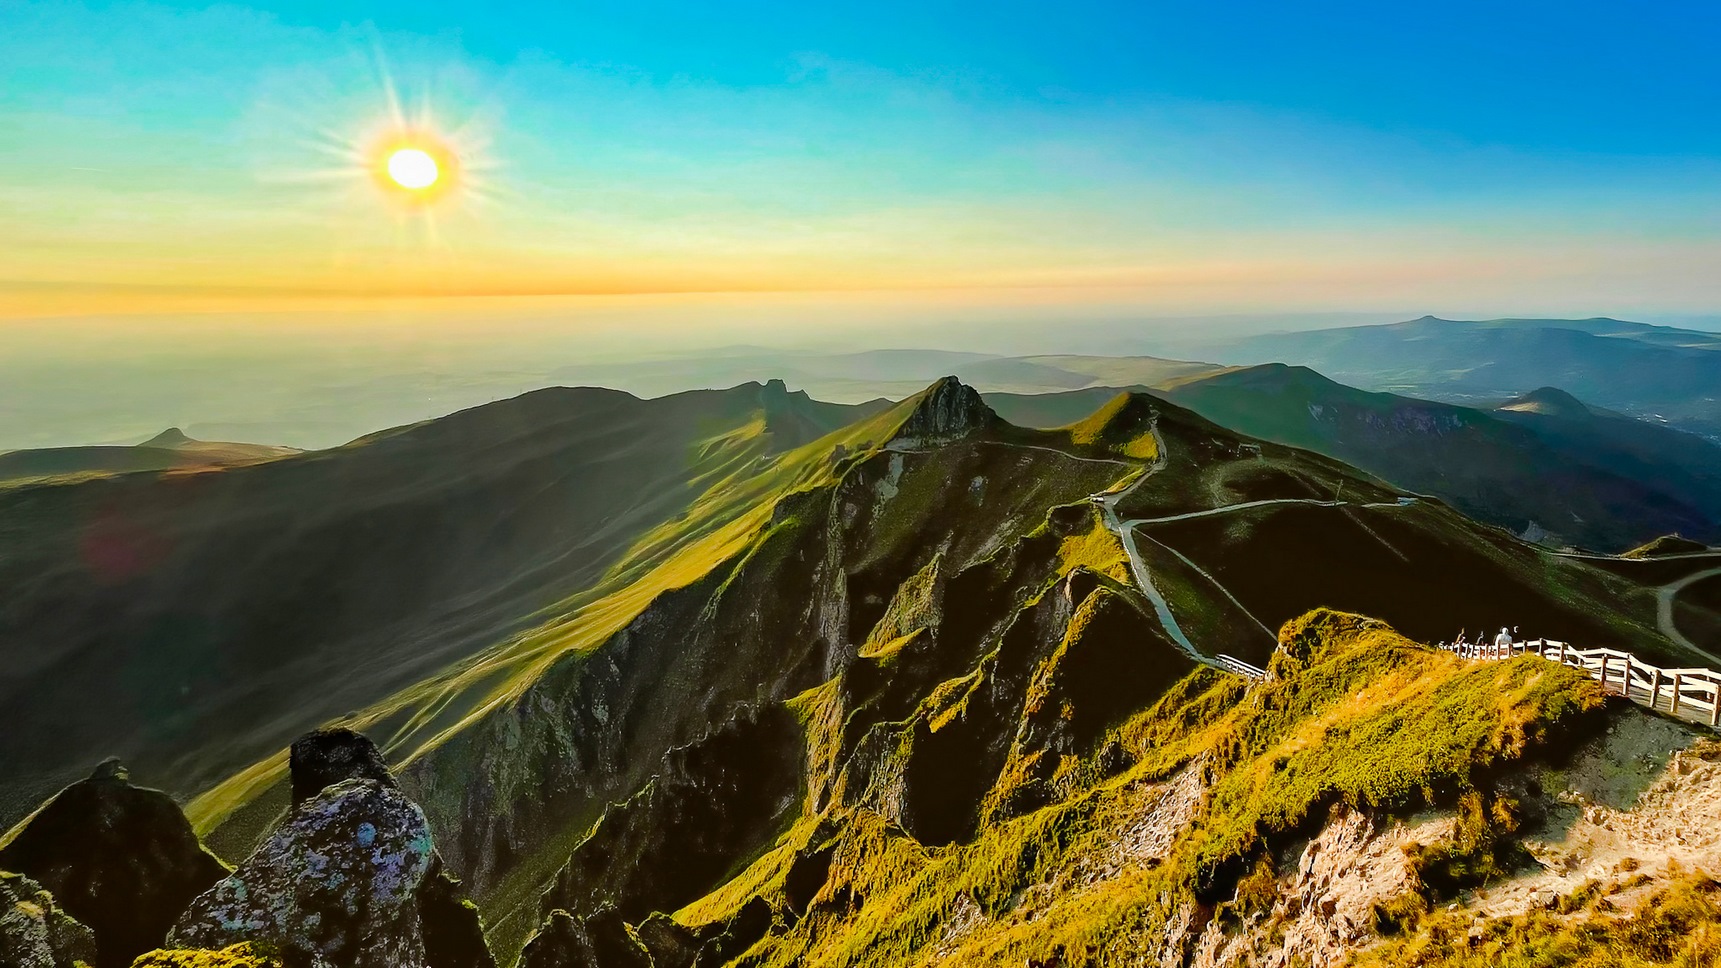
(325,757)
(452,929)
(121,859)
(34,932)
(336,884)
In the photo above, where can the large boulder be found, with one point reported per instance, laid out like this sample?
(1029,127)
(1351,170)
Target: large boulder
(336,884)
(34,932)
(452,929)
(121,859)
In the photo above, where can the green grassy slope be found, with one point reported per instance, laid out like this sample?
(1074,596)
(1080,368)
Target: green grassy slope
(1646,371)
(1595,480)
(1354,715)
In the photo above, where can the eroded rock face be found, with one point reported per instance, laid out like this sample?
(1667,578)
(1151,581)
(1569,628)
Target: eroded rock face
(600,940)
(35,932)
(121,859)
(949,410)
(710,804)
(335,884)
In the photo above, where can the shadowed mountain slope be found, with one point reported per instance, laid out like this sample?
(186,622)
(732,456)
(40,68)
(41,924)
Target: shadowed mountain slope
(210,616)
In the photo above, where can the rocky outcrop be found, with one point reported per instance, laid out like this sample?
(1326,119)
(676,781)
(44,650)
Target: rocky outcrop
(335,884)
(600,940)
(947,410)
(325,757)
(452,929)
(34,932)
(121,859)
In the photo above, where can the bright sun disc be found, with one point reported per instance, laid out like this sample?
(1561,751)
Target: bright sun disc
(412,168)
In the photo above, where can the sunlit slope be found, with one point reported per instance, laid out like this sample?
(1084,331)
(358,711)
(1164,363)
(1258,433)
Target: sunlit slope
(192,623)
(1563,475)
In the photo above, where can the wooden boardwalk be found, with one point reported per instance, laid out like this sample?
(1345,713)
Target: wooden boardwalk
(1693,695)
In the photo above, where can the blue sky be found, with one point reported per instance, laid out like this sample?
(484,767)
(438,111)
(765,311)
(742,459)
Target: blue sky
(1529,157)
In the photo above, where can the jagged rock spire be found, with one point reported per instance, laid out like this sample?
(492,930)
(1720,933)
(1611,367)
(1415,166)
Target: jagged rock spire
(947,410)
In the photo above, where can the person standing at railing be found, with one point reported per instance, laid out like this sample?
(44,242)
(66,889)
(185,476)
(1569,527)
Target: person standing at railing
(1503,644)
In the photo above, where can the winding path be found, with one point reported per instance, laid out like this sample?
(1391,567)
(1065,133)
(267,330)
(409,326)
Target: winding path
(1666,595)
(1125,531)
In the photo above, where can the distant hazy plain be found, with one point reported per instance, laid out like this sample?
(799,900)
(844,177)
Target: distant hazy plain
(316,380)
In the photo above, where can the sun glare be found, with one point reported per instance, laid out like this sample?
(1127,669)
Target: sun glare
(417,167)
(412,168)
(421,168)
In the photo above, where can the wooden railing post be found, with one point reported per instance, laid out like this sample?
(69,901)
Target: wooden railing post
(1678,683)
(1604,673)
(1654,688)
(1714,701)
(1562,653)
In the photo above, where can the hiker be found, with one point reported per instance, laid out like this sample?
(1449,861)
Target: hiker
(1503,642)
(1459,644)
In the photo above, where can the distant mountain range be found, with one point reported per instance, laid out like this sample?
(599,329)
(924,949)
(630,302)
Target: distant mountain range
(1658,373)
(170,449)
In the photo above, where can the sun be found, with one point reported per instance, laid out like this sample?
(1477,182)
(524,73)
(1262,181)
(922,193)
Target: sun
(413,168)
(416,167)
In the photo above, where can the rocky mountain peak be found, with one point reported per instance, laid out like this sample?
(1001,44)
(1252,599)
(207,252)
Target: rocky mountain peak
(947,410)
(1551,401)
(171,437)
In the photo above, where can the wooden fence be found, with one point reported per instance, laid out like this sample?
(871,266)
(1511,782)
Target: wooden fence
(1238,666)
(1690,694)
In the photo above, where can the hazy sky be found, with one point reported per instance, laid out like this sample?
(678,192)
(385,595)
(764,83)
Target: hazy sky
(1547,158)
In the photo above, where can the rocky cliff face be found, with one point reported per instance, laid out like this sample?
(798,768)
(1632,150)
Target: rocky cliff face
(35,932)
(947,411)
